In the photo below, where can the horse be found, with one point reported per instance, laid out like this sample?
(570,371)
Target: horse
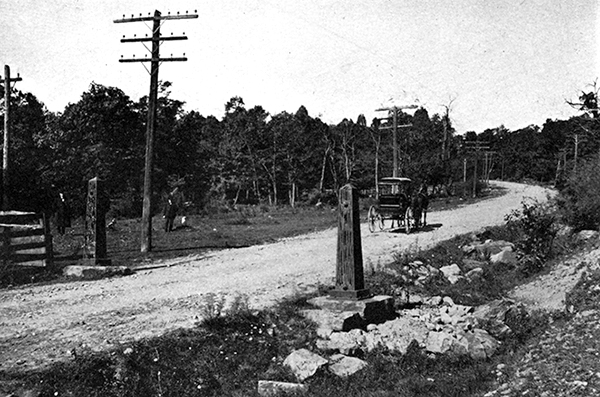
(420,204)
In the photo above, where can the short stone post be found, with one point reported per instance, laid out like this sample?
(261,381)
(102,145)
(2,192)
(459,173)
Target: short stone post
(95,224)
(350,282)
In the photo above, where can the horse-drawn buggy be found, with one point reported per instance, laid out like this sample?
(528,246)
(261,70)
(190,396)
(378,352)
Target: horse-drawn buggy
(398,202)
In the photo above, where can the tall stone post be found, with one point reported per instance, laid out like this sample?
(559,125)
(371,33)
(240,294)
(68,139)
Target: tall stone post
(95,224)
(350,282)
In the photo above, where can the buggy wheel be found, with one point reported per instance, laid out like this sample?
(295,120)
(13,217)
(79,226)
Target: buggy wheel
(380,221)
(373,218)
(408,217)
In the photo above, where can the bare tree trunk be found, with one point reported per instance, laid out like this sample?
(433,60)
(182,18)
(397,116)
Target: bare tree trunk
(322,181)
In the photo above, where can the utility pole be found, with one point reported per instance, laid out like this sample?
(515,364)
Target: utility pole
(476,147)
(6,147)
(155,61)
(394,127)
(465,177)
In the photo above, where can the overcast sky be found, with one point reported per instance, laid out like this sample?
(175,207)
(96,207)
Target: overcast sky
(511,62)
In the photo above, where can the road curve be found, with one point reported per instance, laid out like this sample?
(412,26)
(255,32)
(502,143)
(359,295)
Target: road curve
(43,324)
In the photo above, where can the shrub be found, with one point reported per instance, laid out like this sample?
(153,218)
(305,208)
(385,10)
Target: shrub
(579,201)
(534,227)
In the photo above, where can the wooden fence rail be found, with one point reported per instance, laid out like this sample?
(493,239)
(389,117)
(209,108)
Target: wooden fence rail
(25,239)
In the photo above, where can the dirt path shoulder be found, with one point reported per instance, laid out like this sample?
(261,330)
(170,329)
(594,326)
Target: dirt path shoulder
(43,324)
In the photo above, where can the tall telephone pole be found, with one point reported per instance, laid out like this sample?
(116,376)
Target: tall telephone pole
(394,128)
(6,147)
(155,61)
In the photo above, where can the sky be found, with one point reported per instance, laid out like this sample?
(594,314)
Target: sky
(490,62)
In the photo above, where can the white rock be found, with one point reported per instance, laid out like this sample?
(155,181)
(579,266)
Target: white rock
(587,235)
(304,363)
(347,366)
(507,256)
(272,388)
(474,274)
(450,270)
(439,342)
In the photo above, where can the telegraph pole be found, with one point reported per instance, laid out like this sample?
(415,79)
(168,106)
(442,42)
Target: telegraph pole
(155,61)
(394,127)
(6,149)
(476,147)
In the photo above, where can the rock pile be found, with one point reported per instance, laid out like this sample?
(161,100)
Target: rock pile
(439,326)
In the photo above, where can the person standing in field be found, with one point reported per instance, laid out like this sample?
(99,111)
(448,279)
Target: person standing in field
(169,213)
(63,214)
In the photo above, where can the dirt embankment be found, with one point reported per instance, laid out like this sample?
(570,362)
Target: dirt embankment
(43,324)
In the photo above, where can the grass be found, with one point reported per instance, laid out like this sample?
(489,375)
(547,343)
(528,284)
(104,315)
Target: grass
(226,357)
(233,348)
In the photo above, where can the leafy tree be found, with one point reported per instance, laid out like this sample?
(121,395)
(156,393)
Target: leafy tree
(99,136)
(28,187)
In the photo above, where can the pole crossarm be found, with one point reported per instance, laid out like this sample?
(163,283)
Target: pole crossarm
(397,107)
(155,18)
(173,59)
(162,38)
(391,127)
(12,80)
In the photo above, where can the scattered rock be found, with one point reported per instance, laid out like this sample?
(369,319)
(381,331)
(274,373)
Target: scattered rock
(348,343)
(585,235)
(470,264)
(304,363)
(80,271)
(493,315)
(344,366)
(452,273)
(507,256)
(474,274)
(439,342)
(375,310)
(485,250)
(477,343)
(564,231)
(272,388)
(434,301)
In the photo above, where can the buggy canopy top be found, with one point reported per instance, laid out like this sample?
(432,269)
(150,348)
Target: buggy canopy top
(392,180)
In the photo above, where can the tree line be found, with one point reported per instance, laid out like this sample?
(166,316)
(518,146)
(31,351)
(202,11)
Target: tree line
(250,156)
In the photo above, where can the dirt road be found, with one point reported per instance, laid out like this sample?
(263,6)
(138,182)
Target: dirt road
(42,324)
